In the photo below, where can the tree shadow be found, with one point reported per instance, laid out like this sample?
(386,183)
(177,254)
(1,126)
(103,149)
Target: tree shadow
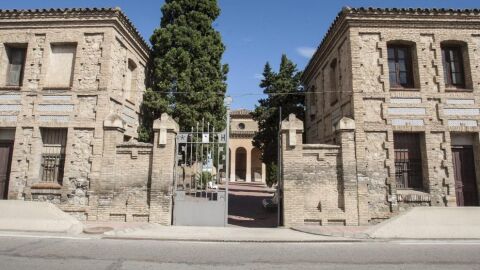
(245,206)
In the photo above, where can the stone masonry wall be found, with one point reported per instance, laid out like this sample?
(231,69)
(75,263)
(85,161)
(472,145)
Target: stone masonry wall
(105,41)
(319,180)
(429,108)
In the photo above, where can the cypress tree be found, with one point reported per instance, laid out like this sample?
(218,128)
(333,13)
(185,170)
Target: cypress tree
(188,80)
(283,89)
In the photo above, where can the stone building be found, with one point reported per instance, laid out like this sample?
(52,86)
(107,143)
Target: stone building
(393,107)
(71,84)
(245,162)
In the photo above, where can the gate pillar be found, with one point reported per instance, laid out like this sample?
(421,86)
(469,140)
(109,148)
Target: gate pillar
(345,134)
(163,163)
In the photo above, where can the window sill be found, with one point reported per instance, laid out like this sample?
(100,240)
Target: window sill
(130,101)
(10,87)
(413,196)
(46,185)
(406,191)
(450,89)
(404,89)
(57,88)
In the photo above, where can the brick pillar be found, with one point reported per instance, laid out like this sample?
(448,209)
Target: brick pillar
(345,133)
(163,163)
(292,171)
(102,189)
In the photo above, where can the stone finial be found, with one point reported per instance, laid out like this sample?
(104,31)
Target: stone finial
(292,125)
(114,121)
(345,124)
(165,124)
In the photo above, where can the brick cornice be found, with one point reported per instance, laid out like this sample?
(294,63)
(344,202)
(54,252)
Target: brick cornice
(72,15)
(390,17)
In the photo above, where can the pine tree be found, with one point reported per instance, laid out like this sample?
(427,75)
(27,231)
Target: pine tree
(283,89)
(188,80)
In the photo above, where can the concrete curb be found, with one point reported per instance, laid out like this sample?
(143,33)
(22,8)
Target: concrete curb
(166,239)
(358,236)
(220,234)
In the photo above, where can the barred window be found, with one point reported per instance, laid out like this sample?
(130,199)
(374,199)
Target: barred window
(53,154)
(408,161)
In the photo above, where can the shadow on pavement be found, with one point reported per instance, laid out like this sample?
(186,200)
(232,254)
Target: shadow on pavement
(245,207)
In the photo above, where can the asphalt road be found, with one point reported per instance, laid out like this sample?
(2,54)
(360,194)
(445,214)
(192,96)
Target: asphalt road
(18,253)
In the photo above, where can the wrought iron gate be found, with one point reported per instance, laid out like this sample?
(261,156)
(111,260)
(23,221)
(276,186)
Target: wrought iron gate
(201,179)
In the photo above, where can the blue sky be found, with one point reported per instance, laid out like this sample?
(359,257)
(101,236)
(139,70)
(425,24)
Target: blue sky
(254,31)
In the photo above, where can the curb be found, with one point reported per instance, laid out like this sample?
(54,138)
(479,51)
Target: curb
(230,240)
(357,236)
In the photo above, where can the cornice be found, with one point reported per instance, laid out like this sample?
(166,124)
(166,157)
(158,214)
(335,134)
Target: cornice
(73,14)
(390,17)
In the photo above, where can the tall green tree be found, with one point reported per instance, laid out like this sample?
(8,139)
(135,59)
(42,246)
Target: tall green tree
(283,89)
(188,80)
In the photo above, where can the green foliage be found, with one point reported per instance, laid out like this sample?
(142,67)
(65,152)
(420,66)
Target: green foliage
(283,89)
(272,174)
(187,76)
(203,178)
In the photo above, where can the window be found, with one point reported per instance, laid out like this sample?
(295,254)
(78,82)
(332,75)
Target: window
(241,126)
(60,68)
(53,154)
(333,82)
(129,86)
(400,66)
(16,63)
(313,101)
(408,161)
(453,66)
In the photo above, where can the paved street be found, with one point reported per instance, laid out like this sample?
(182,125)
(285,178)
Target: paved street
(21,253)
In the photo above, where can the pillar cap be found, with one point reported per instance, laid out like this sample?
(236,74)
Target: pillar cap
(113,120)
(292,123)
(345,124)
(166,122)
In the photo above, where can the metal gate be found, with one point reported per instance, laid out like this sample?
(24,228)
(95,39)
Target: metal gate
(201,179)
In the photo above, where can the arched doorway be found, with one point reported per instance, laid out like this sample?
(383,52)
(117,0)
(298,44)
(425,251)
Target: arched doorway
(256,165)
(240,164)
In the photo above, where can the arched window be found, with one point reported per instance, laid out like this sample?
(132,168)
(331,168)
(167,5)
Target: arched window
(400,64)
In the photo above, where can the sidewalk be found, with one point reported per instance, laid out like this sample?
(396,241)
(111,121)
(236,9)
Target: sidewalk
(219,234)
(27,216)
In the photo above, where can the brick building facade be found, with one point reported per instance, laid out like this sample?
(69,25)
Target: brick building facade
(409,79)
(71,84)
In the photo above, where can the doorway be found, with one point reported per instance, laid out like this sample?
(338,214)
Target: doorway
(6,148)
(464,172)
(241,164)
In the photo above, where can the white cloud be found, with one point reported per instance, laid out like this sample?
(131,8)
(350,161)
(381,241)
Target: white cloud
(258,76)
(306,52)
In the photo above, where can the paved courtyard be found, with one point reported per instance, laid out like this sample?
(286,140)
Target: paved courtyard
(245,205)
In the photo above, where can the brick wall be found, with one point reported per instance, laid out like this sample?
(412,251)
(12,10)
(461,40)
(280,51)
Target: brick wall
(318,180)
